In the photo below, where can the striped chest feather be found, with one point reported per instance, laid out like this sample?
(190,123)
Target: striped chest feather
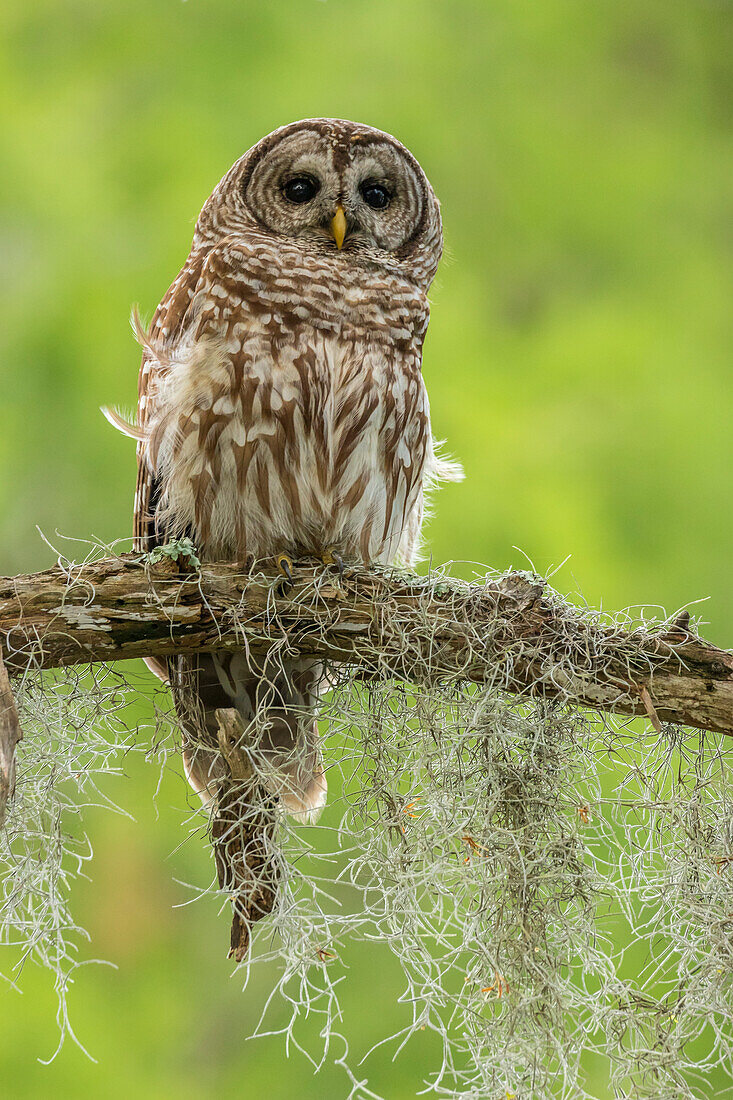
(262,446)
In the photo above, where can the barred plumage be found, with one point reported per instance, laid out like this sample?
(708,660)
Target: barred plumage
(281,401)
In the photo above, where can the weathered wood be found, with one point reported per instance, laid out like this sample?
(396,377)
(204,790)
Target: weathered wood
(10,735)
(507,631)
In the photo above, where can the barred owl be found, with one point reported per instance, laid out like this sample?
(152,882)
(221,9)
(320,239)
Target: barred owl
(282,409)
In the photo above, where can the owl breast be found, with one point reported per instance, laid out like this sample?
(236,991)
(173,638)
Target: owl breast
(265,445)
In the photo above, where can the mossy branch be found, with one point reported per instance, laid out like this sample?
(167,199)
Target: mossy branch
(511,631)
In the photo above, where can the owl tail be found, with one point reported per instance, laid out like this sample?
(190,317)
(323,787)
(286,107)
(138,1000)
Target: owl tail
(276,703)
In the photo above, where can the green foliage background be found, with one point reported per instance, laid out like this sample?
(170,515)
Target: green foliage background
(579,363)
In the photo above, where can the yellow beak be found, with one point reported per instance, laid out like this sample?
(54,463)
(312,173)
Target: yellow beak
(338,226)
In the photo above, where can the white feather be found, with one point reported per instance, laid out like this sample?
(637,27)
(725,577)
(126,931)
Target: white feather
(118,421)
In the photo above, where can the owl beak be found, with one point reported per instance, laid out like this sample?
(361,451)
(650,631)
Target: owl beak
(338,226)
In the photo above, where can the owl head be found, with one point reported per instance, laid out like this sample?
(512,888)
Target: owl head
(338,188)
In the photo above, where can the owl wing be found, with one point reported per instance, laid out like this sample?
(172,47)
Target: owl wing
(168,322)
(418,466)
(205,682)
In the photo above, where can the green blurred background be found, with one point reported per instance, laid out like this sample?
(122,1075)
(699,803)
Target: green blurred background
(579,364)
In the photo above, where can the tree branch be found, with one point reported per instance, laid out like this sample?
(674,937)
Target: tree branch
(510,631)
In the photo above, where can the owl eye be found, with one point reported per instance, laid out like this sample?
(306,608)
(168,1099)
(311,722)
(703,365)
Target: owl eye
(375,195)
(301,189)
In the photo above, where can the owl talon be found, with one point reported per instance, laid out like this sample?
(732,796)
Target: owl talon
(285,566)
(331,556)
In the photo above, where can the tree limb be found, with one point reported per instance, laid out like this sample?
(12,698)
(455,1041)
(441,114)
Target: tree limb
(510,631)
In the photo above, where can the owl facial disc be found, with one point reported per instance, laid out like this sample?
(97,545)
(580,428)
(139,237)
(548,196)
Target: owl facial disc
(341,190)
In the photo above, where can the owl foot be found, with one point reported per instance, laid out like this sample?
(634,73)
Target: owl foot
(331,556)
(285,566)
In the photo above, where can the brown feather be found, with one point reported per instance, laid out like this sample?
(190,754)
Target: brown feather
(281,407)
